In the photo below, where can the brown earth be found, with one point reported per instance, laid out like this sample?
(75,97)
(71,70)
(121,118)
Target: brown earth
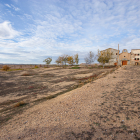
(30,86)
(107,108)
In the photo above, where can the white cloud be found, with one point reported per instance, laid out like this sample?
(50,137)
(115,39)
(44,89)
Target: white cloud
(8,5)
(12,6)
(6,31)
(15,8)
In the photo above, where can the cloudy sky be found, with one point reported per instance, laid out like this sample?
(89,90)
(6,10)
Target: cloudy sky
(32,30)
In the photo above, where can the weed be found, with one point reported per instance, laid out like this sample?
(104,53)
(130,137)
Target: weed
(114,77)
(5,68)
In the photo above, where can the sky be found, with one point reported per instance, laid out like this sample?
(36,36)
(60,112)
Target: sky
(32,30)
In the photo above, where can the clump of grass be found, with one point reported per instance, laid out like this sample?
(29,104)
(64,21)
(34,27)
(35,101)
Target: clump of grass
(21,103)
(75,67)
(5,68)
(114,77)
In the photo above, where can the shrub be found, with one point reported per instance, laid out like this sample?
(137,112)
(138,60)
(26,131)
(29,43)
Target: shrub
(5,67)
(21,103)
(36,66)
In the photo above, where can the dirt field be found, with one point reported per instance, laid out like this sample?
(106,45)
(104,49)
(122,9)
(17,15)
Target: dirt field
(107,108)
(31,85)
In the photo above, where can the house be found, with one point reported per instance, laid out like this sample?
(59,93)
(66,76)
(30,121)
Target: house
(135,57)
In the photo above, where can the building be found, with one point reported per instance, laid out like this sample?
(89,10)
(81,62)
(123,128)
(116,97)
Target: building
(124,58)
(113,60)
(135,57)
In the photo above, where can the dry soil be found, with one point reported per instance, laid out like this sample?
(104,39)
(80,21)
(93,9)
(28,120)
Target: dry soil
(105,109)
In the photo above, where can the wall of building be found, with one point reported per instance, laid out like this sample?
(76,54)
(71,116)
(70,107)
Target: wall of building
(124,56)
(135,56)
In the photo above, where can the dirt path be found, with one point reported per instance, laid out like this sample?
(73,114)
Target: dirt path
(108,108)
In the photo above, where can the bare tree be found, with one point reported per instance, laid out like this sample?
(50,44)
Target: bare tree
(91,57)
(76,59)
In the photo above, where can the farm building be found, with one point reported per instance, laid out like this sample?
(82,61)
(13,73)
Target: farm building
(124,58)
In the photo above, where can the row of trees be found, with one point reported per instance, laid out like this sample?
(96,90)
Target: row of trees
(102,57)
(64,59)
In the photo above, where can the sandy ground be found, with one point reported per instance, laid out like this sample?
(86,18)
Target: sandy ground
(108,108)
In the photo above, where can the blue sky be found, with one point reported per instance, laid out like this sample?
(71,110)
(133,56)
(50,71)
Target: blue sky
(32,30)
